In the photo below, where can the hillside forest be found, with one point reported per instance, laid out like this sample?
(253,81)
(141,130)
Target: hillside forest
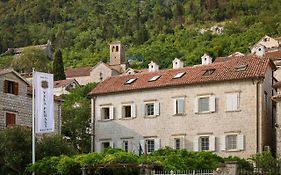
(157,30)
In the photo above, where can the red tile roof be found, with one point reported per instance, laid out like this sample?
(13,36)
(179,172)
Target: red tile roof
(224,71)
(62,83)
(273,54)
(78,72)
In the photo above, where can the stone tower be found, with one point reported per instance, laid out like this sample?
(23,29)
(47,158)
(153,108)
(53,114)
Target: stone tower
(117,54)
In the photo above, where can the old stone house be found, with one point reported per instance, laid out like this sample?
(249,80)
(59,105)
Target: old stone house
(64,86)
(101,71)
(16,101)
(266,44)
(224,107)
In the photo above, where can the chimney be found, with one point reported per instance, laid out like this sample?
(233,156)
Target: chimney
(177,63)
(153,67)
(260,51)
(206,59)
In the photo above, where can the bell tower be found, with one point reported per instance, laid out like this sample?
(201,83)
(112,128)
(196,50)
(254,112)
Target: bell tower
(117,54)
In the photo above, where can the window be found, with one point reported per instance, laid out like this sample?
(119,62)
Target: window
(179,75)
(150,146)
(209,72)
(179,106)
(126,145)
(106,144)
(10,119)
(127,111)
(11,87)
(206,103)
(117,49)
(130,81)
(232,101)
(242,67)
(149,108)
(231,142)
(203,104)
(177,143)
(204,143)
(107,112)
(154,78)
(113,48)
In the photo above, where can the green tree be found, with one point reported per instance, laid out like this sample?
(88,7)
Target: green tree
(58,68)
(15,150)
(76,115)
(29,58)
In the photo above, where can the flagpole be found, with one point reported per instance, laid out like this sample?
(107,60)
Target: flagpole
(33,119)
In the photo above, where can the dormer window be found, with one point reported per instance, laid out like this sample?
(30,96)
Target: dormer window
(242,67)
(179,75)
(209,72)
(130,81)
(154,78)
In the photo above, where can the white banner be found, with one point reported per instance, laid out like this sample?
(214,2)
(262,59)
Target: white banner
(44,102)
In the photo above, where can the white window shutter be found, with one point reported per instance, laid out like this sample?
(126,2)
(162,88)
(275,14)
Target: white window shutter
(143,110)
(181,106)
(222,143)
(141,146)
(196,144)
(133,110)
(212,141)
(241,142)
(98,117)
(195,107)
(111,112)
(212,103)
(182,143)
(235,101)
(98,147)
(229,102)
(157,144)
(122,112)
(175,106)
(156,108)
(111,144)
(130,148)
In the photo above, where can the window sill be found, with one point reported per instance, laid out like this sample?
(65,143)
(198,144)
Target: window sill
(105,120)
(127,118)
(205,112)
(232,150)
(239,110)
(151,116)
(179,115)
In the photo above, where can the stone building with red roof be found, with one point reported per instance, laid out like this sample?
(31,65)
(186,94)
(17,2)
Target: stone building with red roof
(224,107)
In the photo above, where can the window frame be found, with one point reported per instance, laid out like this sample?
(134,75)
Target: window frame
(11,87)
(149,109)
(110,112)
(14,119)
(227,148)
(150,147)
(125,145)
(200,106)
(200,143)
(177,111)
(211,104)
(234,97)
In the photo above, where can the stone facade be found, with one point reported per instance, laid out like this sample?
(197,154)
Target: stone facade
(251,122)
(20,104)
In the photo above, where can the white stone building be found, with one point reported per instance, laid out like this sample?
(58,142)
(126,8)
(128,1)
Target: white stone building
(224,107)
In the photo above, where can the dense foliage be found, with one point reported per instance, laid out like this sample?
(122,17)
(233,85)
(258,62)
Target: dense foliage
(15,149)
(76,117)
(167,159)
(155,30)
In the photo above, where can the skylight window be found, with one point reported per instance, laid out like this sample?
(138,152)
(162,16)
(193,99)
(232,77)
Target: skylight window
(242,67)
(154,78)
(209,72)
(130,81)
(179,75)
